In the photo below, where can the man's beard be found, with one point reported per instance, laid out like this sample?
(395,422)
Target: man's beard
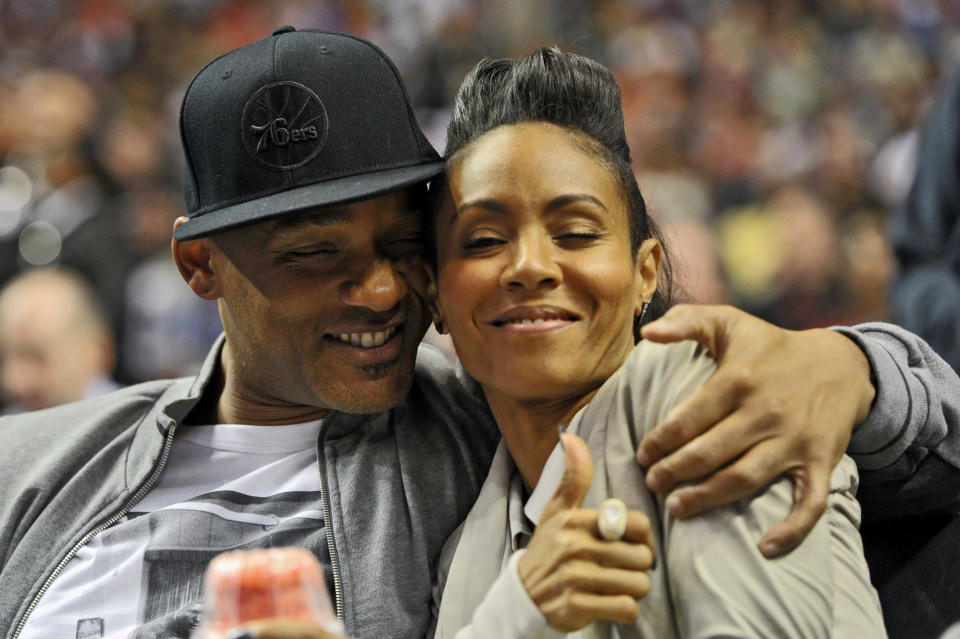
(378,371)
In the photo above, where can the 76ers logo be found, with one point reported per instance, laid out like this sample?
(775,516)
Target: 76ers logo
(284,125)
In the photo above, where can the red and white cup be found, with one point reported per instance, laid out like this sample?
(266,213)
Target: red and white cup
(243,586)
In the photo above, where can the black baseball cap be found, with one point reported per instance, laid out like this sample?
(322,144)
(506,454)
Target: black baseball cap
(294,121)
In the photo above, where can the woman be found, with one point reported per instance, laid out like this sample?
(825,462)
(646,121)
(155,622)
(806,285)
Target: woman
(547,263)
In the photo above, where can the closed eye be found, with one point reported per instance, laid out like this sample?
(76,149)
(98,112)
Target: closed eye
(577,240)
(310,253)
(579,236)
(481,243)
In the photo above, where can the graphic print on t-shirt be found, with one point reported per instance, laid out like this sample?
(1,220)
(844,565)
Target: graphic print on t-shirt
(185,538)
(90,628)
(225,487)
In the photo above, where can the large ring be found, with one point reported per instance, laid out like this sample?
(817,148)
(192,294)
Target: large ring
(612,519)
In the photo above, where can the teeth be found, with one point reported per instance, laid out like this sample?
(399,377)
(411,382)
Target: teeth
(366,340)
(532,320)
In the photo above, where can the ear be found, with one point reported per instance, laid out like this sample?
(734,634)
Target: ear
(193,261)
(649,256)
(432,301)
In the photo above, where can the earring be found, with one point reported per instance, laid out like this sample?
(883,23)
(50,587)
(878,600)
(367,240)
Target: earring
(643,311)
(439,326)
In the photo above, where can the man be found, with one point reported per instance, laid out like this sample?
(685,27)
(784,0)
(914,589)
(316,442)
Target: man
(55,343)
(314,421)
(284,437)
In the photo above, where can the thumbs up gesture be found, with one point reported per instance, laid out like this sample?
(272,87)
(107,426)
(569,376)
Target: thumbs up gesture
(573,575)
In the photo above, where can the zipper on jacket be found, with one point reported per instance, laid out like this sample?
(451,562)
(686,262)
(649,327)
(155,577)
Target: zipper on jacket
(168,441)
(328,532)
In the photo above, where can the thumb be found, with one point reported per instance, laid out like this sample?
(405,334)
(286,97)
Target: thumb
(710,325)
(576,478)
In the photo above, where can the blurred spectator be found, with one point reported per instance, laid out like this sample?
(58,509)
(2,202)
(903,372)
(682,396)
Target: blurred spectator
(867,264)
(55,345)
(808,284)
(166,328)
(926,234)
(699,272)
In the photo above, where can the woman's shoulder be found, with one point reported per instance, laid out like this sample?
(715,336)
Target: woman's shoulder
(668,365)
(653,379)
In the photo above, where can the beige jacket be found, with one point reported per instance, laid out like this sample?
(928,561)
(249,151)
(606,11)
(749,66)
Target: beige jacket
(709,579)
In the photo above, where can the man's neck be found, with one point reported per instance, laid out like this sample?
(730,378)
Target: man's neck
(238,410)
(223,402)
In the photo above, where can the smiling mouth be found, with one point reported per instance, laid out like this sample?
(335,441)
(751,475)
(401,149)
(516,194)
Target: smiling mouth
(537,320)
(366,340)
(531,316)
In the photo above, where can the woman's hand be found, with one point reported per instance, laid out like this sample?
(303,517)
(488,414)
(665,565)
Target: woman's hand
(780,402)
(573,576)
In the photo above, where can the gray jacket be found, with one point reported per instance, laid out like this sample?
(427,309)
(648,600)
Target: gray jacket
(69,472)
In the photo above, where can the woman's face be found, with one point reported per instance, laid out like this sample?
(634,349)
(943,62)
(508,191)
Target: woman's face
(536,280)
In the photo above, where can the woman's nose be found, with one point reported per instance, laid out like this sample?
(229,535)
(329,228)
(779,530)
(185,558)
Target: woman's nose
(532,263)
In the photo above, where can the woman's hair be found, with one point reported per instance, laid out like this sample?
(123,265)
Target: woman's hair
(572,92)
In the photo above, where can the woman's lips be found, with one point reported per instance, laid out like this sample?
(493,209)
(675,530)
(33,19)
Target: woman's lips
(537,319)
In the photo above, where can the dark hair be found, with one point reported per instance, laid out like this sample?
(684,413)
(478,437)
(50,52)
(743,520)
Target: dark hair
(572,92)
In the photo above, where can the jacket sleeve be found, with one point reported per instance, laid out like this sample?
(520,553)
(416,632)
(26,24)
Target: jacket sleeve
(908,449)
(507,611)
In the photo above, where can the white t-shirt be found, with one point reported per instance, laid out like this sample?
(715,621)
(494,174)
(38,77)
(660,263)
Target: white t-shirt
(225,486)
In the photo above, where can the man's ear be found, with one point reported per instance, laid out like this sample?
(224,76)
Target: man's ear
(649,256)
(193,261)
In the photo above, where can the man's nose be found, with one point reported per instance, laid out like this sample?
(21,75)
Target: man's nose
(532,263)
(379,287)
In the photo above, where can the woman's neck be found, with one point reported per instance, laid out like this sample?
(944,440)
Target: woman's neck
(529,428)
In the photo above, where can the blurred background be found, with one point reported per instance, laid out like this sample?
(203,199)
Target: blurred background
(773,139)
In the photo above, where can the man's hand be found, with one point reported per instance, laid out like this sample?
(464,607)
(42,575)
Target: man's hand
(779,402)
(573,576)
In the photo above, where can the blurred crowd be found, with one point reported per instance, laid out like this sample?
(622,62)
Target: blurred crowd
(772,138)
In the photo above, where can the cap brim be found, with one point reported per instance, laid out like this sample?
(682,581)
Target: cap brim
(339,191)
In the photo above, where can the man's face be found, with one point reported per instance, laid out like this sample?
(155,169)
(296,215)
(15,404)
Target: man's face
(324,309)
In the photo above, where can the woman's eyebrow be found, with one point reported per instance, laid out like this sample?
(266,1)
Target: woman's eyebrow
(556,203)
(483,203)
(564,200)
